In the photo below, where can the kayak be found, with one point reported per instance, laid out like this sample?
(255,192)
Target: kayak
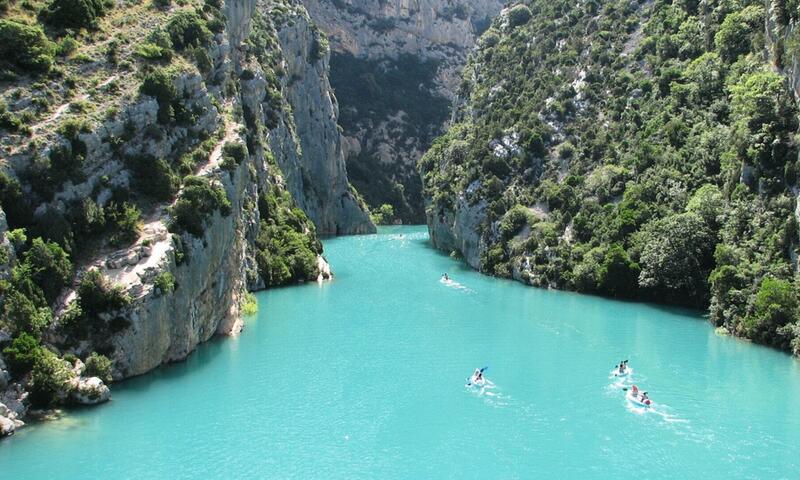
(628,372)
(636,400)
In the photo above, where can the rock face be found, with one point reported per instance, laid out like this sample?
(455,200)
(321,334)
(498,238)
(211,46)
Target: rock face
(268,89)
(457,230)
(781,40)
(423,43)
(390,28)
(12,409)
(315,169)
(215,270)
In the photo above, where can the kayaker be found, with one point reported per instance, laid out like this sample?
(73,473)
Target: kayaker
(478,375)
(645,398)
(635,391)
(445,277)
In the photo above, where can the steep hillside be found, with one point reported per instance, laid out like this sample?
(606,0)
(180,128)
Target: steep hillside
(158,162)
(395,67)
(633,149)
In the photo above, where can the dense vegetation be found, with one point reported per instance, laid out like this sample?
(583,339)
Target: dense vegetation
(287,245)
(371,92)
(636,150)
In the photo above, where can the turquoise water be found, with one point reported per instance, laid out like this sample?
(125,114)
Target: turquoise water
(364,378)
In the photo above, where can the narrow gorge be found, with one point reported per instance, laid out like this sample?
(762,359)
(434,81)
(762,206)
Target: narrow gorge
(396,68)
(163,160)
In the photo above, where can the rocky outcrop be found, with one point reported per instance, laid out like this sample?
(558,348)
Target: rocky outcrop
(781,33)
(9,421)
(458,229)
(13,408)
(426,39)
(89,391)
(315,168)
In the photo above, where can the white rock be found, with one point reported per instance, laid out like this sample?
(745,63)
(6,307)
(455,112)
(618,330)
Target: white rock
(7,426)
(90,391)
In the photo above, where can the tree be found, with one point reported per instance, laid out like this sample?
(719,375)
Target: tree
(50,267)
(98,366)
(49,381)
(774,307)
(735,35)
(188,29)
(74,13)
(384,215)
(676,257)
(22,354)
(97,295)
(22,315)
(160,84)
(25,46)
(708,203)
(519,15)
(618,273)
(764,117)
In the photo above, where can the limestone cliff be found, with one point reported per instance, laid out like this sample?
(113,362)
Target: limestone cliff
(315,168)
(396,67)
(251,123)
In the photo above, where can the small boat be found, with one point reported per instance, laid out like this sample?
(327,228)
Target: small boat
(475,382)
(637,400)
(625,373)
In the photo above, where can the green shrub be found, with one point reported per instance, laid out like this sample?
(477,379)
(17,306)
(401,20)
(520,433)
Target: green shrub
(249,304)
(235,150)
(22,354)
(50,267)
(22,315)
(151,51)
(519,15)
(17,238)
(233,154)
(203,60)
(774,307)
(735,35)
(67,46)
(25,47)
(97,295)
(17,210)
(384,215)
(125,222)
(188,29)
(74,13)
(197,201)
(98,366)
(160,84)
(165,281)
(154,177)
(49,381)
(514,220)
(285,250)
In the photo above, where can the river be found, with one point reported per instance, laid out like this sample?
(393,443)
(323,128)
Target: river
(364,377)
